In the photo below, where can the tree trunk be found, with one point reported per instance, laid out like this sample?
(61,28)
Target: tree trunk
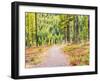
(36,29)
(76,30)
(88,28)
(65,35)
(68,33)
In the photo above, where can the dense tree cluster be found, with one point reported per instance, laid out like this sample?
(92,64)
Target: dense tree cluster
(48,28)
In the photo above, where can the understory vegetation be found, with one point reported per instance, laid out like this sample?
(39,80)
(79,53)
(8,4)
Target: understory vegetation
(78,53)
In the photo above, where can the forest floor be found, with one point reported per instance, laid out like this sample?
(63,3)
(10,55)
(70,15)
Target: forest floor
(53,57)
(78,54)
(57,55)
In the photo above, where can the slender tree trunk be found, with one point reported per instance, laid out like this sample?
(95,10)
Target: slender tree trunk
(73,38)
(32,30)
(74,34)
(65,35)
(88,28)
(28,30)
(36,29)
(68,33)
(76,30)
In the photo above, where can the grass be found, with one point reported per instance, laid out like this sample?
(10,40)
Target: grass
(78,53)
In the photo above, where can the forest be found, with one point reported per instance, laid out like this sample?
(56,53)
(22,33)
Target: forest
(70,32)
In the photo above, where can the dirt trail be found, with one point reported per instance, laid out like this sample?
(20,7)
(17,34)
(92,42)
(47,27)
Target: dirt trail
(55,57)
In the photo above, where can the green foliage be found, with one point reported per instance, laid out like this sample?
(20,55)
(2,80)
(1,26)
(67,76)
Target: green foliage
(30,29)
(84,27)
(48,28)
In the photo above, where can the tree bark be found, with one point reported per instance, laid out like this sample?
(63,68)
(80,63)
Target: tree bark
(88,28)
(68,33)
(36,29)
(76,30)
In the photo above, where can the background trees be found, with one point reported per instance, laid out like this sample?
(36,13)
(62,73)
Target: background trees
(48,28)
(30,28)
